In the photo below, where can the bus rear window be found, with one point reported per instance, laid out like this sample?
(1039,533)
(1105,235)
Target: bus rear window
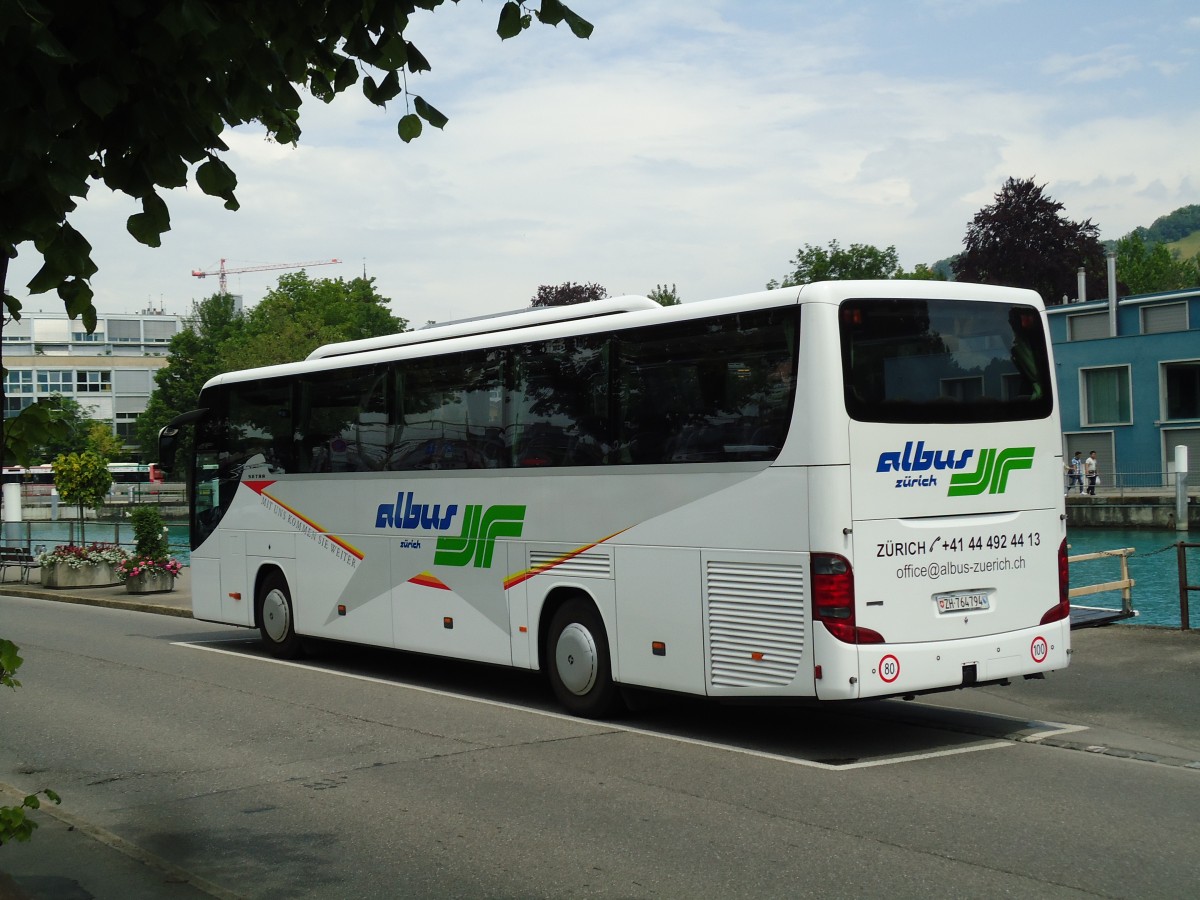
(944,361)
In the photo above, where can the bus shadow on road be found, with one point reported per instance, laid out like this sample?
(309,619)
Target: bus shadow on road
(841,736)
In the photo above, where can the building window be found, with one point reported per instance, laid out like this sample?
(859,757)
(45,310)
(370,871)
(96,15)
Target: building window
(127,331)
(962,390)
(55,381)
(13,405)
(1087,326)
(93,382)
(126,426)
(96,337)
(18,381)
(1106,396)
(1182,381)
(1164,317)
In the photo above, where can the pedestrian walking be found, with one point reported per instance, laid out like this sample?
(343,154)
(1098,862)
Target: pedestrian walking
(1091,469)
(1075,472)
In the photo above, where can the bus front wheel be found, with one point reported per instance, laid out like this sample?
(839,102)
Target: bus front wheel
(275,620)
(578,661)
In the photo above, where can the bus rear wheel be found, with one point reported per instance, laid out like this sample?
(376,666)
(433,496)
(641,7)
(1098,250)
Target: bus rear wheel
(578,661)
(273,611)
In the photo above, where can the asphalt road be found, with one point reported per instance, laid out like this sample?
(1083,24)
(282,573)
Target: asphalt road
(215,772)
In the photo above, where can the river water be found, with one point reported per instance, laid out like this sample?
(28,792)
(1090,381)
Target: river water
(1153,566)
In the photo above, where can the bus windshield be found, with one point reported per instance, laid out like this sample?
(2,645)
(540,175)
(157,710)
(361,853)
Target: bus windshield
(948,361)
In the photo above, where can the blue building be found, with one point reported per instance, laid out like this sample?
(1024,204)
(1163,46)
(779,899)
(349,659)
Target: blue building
(1129,383)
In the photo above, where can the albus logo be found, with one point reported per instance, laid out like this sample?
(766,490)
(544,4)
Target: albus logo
(920,466)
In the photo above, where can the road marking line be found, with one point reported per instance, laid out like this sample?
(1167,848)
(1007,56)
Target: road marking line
(608,726)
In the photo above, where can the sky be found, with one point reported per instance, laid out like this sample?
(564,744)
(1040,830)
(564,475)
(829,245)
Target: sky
(694,143)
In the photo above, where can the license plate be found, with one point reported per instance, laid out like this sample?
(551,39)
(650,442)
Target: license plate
(962,601)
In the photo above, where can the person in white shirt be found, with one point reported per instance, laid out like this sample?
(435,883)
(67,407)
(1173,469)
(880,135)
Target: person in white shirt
(1091,468)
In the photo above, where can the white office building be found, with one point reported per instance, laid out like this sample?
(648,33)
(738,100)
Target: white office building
(109,372)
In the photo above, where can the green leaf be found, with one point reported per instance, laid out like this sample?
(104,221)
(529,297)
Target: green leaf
(417,61)
(429,114)
(409,127)
(76,295)
(510,21)
(99,95)
(13,306)
(148,225)
(10,660)
(388,88)
(551,13)
(347,74)
(216,179)
(393,53)
(580,27)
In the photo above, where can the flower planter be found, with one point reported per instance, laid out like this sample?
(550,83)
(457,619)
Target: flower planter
(61,575)
(150,583)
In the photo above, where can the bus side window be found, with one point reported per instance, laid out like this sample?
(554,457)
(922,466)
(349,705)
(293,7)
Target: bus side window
(260,426)
(450,412)
(557,412)
(344,423)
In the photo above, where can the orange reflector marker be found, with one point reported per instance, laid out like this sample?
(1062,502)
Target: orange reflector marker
(658,648)
(522,629)
(341,609)
(448,622)
(817,672)
(235,595)
(756,656)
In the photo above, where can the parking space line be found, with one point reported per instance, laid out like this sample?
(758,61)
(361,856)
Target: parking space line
(609,726)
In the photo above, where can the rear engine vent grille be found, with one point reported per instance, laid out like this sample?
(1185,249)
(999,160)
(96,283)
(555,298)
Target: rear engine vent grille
(592,563)
(755,623)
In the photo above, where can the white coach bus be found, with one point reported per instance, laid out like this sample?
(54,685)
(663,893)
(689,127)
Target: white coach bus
(843,490)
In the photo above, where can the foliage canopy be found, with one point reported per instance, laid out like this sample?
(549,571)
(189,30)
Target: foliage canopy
(1148,268)
(137,94)
(1024,240)
(568,293)
(297,316)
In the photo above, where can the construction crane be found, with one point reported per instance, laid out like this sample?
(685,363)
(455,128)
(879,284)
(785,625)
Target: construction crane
(222,271)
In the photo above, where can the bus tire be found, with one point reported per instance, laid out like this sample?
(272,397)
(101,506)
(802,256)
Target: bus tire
(578,662)
(276,623)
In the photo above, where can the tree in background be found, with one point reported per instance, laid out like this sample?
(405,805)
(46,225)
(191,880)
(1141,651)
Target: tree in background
(138,96)
(839,263)
(922,272)
(101,441)
(567,294)
(25,435)
(1172,227)
(1024,240)
(194,357)
(301,314)
(297,316)
(82,479)
(1148,268)
(665,296)
(71,433)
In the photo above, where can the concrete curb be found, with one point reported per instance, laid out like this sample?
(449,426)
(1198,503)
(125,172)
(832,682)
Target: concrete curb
(107,602)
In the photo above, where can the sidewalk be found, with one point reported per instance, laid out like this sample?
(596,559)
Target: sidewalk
(174,603)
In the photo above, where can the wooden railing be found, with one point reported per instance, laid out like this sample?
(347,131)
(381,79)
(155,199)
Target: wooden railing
(1124,584)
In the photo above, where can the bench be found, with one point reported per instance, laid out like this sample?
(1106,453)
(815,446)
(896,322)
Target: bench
(17,557)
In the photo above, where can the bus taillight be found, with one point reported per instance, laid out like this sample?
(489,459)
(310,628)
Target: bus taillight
(1062,609)
(833,599)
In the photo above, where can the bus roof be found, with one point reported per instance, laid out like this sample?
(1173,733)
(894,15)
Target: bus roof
(628,311)
(501,321)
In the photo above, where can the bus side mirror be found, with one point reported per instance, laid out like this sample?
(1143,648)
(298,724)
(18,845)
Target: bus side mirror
(168,439)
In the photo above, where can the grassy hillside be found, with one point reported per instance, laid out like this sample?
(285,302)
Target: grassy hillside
(1188,246)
